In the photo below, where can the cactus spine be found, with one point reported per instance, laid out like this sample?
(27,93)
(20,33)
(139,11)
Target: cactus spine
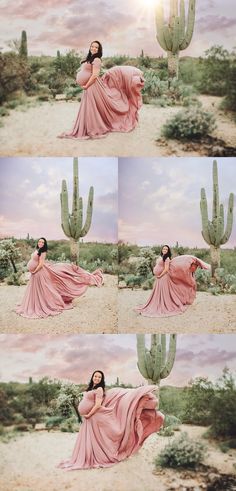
(214,232)
(155,364)
(175,35)
(72,223)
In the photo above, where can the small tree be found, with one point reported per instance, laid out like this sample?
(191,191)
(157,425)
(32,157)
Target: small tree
(68,399)
(9,253)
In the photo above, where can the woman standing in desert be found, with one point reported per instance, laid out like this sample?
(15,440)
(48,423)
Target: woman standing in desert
(175,286)
(109,102)
(116,423)
(52,287)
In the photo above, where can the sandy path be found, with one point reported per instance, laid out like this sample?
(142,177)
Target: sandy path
(29,464)
(94,312)
(34,132)
(208,313)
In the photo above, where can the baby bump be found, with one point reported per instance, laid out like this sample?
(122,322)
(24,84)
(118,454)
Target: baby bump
(158,269)
(32,265)
(85,405)
(82,77)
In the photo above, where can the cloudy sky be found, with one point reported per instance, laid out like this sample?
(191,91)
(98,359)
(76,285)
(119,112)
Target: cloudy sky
(74,357)
(30,196)
(159,198)
(124,27)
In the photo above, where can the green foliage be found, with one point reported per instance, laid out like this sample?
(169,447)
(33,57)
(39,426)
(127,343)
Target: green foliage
(198,402)
(214,71)
(133,280)
(223,414)
(9,253)
(230,88)
(15,279)
(70,425)
(54,422)
(148,284)
(14,75)
(189,124)
(181,452)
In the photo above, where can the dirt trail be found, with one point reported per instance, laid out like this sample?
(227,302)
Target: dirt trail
(33,132)
(29,464)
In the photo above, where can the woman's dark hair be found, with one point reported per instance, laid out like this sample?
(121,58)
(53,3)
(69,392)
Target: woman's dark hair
(101,384)
(89,58)
(168,254)
(42,249)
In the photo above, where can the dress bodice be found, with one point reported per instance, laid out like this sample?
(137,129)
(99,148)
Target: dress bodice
(158,267)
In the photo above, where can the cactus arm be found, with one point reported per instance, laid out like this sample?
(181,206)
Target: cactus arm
(163,350)
(204,215)
(88,220)
(149,364)
(65,218)
(176,36)
(182,22)
(171,357)
(229,224)
(160,25)
(190,25)
(141,355)
(157,365)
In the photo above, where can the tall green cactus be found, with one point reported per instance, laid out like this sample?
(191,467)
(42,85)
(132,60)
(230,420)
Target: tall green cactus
(23,51)
(155,364)
(72,223)
(175,35)
(214,232)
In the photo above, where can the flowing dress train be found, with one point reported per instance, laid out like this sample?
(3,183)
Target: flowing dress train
(175,290)
(110,104)
(52,289)
(117,429)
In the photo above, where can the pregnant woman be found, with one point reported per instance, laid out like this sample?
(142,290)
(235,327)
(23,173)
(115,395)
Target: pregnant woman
(52,287)
(175,285)
(109,103)
(116,423)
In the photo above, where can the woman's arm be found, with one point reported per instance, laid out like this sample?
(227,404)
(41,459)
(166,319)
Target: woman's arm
(166,268)
(98,403)
(96,66)
(41,263)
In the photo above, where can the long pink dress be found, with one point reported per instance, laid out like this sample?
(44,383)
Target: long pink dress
(175,290)
(52,289)
(118,428)
(110,104)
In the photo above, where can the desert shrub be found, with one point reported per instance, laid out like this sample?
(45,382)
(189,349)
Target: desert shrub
(230,89)
(133,280)
(70,425)
(189,124)
(54,422)
(203,279)
(223,414)
(154,87)
(143,269)
(214,71)
(181,452)
(171,420)
(15,279)
(116,60)
(3,111)
(167,431)
(2,430)
(21,427)
(198,398)
(14,74)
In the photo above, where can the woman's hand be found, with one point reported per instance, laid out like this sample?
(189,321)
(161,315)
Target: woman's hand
(86,416)
(84,87)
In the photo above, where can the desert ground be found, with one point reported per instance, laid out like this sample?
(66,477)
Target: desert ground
(94,312)
(208,313)
(34,131)
(28,463)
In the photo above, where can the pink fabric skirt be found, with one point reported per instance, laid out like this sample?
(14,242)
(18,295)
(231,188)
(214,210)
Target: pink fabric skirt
(110,104)
(52,289)
(117,430)
(173,292)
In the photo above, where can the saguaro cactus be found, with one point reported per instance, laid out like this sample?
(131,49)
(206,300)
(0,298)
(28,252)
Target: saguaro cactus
(72,223)
(155,364)
(23,52)
(214,232)
(175,35)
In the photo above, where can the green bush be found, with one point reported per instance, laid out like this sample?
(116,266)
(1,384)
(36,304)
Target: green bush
(189,124)
(54,422)
(223,414)
(3,111)
(70,425)
(133,280)
(167,431)
(21,427)
(171,420)
(15,279)
(148,284)
(181,452)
